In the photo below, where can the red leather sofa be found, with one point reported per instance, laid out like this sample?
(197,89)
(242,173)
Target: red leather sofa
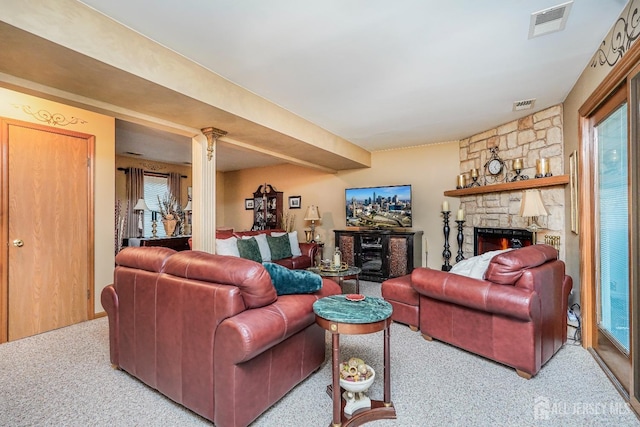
(516,316)
(210,332)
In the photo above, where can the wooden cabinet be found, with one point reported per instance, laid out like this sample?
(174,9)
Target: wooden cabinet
(178,243)
(381,254)
(267,208)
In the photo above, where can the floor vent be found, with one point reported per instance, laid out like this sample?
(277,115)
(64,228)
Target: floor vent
(549,20)
(525,104)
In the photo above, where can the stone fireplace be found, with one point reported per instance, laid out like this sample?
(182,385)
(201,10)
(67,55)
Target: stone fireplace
(530,138)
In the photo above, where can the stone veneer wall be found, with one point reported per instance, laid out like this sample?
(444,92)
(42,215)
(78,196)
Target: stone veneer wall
(531,137)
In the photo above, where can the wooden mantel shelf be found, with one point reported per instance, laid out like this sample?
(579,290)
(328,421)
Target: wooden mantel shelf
(510,186)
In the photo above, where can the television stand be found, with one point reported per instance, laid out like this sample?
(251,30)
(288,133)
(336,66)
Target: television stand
(380,253)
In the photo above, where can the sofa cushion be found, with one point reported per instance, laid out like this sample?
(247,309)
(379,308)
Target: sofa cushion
(248,249)
(508,267)
(280,247)
(293,242)
(227,246)
(289,282)
(250,277)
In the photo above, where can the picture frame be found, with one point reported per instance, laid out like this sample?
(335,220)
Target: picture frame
(573,186)
(248,204)
(295,202)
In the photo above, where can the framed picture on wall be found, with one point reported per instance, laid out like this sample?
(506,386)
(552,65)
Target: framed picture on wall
(248,204)
(573,182)
(294,202)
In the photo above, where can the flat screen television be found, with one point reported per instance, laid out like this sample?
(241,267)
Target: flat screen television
(387,206)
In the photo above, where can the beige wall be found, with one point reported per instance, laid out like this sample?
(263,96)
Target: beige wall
(429,169)
(103,128)
(593,74)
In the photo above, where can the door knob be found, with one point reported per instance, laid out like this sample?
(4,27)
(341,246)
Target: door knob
(18,243)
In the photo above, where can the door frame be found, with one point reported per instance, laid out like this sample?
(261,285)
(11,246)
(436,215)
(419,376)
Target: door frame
(620,76)
(4,220)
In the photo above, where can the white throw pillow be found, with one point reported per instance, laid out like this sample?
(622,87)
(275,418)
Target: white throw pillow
(293,242)
(227,246)
(263,246)
(476,266)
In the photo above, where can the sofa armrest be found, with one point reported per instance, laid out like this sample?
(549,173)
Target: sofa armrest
(477,294)
(309,249)
(109,300)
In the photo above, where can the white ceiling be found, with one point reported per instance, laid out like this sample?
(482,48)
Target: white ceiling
(379,73)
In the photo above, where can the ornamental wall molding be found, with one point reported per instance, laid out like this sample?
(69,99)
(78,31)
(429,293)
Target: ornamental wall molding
(623,34)
(53,119)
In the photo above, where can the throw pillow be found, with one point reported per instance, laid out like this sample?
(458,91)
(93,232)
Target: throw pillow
(293,242)
(248,249)
(289,282)
(476,266)
(227,246)
(265,252)
(280,247)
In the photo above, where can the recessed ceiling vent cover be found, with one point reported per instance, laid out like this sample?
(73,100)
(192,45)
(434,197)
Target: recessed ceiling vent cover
(549,20)
(525,104)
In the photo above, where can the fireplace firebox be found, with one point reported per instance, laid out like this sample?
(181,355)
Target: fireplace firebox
(493,239)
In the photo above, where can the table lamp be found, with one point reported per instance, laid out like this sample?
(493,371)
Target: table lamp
(140,207)
(531,207)
(187,214)
(312,215)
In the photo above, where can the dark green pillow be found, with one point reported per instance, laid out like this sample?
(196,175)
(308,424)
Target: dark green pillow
(289,282)
(280,247)
(248,248)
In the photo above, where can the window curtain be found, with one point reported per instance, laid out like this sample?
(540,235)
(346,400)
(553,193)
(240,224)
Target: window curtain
(135,191)
(175,189)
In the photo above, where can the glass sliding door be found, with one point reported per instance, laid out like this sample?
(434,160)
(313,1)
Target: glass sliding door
(613,229)
(609,158)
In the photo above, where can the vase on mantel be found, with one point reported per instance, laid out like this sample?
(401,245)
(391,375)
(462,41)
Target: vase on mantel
(169,226)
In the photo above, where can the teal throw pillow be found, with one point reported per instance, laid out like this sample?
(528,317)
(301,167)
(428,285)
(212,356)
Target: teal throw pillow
(289,282)
(248,248)
(280,247)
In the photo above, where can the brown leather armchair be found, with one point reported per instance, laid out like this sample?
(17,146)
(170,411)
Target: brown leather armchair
(209,331)
(516,316)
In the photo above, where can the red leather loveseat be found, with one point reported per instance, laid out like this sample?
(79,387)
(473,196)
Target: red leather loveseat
(516,315)
(210,332)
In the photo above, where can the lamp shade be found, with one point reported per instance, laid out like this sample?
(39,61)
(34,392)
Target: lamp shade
(312,214)
(141,206)
(188,207)
(531,204)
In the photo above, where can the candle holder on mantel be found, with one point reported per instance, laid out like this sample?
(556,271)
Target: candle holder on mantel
(518,165)
(446,253)
(460,256)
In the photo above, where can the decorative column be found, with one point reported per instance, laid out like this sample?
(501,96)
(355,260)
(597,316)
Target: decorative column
(203,216)
(446,253)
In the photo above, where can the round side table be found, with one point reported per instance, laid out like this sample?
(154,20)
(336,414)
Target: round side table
(338,315)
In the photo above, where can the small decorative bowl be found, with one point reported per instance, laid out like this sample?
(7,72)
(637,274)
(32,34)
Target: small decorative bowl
(358,386)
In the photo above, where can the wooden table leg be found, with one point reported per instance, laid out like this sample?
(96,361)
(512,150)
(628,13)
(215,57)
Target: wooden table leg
(387,366)
(357,283)
(337,399)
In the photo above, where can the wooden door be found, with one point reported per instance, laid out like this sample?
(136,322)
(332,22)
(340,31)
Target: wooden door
(47,176)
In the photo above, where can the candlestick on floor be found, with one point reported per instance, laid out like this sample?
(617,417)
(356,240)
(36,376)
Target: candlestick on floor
(460,257)
(446,253)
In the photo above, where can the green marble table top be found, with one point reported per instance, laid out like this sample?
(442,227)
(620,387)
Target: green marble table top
(336,308)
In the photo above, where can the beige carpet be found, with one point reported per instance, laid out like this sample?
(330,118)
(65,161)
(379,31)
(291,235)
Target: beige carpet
(63,378)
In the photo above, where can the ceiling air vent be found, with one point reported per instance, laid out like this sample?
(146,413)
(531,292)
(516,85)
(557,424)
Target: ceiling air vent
(549,20)
(525,104)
